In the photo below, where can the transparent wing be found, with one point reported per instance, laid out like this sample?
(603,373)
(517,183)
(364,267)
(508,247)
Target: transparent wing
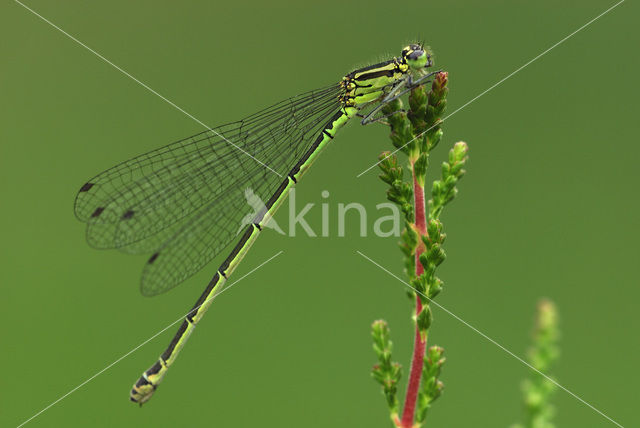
(203,237)
(185,199)
(150,192)
(208,231)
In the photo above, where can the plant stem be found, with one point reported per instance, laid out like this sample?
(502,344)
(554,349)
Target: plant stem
(420,342)
(416,132)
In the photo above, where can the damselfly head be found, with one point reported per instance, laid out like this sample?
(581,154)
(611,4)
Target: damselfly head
(417,56)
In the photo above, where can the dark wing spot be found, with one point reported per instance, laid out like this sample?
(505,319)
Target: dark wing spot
(86,187)
(127,215)
(153,258)
(97,212)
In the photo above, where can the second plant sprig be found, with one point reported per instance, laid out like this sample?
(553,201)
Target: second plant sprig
(415,133)
(538,390)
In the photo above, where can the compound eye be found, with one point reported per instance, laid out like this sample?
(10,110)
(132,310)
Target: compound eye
(416,54)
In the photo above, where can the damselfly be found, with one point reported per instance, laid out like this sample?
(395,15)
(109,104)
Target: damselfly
(182,203)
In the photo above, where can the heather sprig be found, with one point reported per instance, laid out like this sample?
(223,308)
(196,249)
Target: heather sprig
(415,133)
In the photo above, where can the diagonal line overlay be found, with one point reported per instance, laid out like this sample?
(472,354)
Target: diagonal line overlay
(171,103)
(493,341)
(53,403)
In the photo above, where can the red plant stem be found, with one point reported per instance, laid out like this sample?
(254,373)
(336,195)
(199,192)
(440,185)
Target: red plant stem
(419,345)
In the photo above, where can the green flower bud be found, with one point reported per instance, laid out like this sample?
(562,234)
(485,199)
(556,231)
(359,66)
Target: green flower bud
(434,228)
(435,287)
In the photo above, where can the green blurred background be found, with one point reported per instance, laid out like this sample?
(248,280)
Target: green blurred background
(549,208)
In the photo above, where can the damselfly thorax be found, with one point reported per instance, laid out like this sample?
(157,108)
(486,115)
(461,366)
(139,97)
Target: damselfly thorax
(384,82)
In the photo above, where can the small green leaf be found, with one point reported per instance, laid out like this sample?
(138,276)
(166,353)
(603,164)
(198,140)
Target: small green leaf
(420,168)
(424,319)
